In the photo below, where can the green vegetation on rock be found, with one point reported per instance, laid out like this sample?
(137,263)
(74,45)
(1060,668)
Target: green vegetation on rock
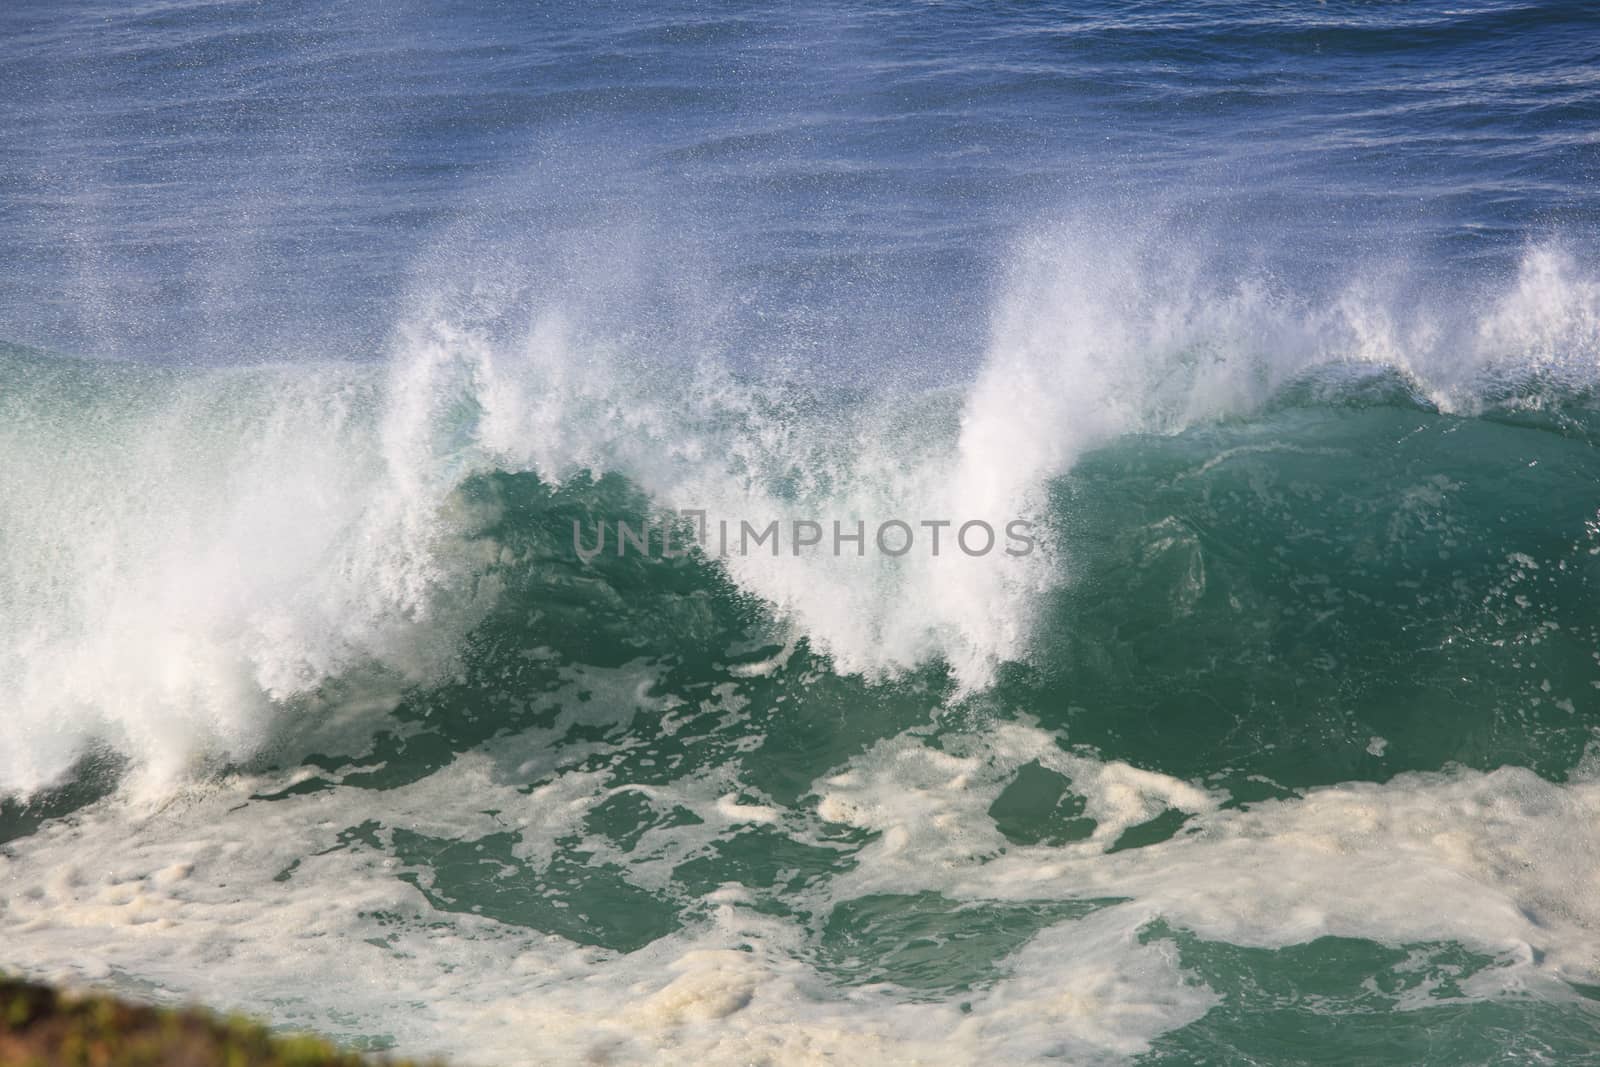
(40,1026)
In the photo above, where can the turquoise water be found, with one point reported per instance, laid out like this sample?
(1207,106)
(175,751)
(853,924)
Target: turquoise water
(333,335)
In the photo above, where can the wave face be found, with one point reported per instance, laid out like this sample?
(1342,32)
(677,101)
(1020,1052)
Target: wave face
(1277,331)
(242,537)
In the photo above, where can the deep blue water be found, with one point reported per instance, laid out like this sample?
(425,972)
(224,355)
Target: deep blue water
(835,182)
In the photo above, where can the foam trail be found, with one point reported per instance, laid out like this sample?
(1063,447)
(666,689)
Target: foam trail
(1484,859)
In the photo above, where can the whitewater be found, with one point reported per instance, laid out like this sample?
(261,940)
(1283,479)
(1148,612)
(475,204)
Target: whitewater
(1280,748)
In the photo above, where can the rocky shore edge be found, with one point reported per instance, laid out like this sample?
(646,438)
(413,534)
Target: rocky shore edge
(45,1027)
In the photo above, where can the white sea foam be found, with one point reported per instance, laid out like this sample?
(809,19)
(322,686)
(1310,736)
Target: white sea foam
(1496,860)
(227,897)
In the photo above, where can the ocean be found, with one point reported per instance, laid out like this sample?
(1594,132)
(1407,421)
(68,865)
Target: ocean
(747,533)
